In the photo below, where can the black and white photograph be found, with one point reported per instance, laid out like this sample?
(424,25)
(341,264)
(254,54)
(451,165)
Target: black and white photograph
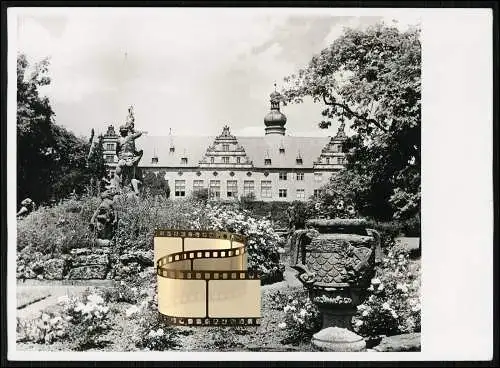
(297,133)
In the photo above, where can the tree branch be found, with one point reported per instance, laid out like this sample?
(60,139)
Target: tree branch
(346,108)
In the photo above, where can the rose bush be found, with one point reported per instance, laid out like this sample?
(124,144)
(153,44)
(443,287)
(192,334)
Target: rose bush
(89,317)
(263,243)
(394,304)
(46,330)
(302,318)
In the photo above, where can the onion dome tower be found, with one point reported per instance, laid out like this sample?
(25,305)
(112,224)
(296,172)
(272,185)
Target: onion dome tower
(275,120)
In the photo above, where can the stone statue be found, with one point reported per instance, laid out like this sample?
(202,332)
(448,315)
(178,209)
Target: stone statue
(104,220)
(127,172)
(27,206)
(126,177)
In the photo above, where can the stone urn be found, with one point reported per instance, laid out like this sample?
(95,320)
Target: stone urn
(336,260)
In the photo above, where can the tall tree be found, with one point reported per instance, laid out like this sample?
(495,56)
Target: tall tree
(371,78)
(34,136)
(51,161)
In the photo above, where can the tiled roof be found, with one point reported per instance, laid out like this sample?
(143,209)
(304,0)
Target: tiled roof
(191,147)
(257,148)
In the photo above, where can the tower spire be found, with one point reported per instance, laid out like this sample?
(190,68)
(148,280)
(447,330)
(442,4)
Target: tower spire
(275,120)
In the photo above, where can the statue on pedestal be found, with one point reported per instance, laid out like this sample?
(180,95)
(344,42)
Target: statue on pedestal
(127,177)
(127,172)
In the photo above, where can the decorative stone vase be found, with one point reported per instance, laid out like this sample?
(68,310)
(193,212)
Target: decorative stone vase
(336,260)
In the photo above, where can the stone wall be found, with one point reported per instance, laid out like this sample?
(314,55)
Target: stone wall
(87,264)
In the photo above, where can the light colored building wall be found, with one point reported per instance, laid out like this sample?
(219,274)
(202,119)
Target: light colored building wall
(291,184)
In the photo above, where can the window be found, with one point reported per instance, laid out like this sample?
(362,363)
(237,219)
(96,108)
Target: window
(282,175)
(338,147)
(267,161)
(282,193)
(248,187)
(282,150)
(197,185)
(298,161)
(225,160)
(238,160)
(212,160)
(318,176)
(300,176)
(340,160)
(327,160)
(110,146)
(232,188)
(172,149)
(214,189)
(301,193)
(154,160)
(110,158)
(184,160)
(317,192)
(180,188)
(265,189)
(225,147)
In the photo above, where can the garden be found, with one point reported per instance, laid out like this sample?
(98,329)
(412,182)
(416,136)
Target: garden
(121,314)
(379,97)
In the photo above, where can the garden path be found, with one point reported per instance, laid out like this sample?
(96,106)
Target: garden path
(39,295)
(33,296)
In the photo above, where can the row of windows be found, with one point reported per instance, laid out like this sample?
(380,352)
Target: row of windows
(226,160)
(214,189)
(340,160)
(267,161)
(300,176)
(284,175)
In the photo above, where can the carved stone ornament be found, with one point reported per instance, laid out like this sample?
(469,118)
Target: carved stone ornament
(336,260)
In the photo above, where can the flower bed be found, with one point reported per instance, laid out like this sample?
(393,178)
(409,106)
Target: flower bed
(59,238)
(135,325)
(394,306)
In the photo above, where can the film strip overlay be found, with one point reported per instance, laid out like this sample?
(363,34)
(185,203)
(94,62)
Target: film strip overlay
(203,279)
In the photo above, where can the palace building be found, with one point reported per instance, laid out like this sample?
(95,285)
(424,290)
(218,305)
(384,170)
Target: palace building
(274,166)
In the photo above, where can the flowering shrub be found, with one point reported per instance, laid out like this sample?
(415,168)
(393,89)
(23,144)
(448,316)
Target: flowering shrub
(53,231)
(394,305)
(82,321)
(302,318)
(89,317)
(224,338)
(47,329)
(263,243)
(56,229)
(122,292)
(153,334)
(331,208)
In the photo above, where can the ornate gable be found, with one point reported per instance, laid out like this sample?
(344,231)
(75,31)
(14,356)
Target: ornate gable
(226,152)
(332,155)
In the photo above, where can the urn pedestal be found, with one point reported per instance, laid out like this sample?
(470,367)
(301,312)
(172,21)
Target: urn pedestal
(336,260)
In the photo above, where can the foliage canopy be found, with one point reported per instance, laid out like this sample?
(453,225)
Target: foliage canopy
(371,78)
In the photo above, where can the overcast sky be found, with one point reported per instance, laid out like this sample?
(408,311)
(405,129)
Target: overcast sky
(191,70)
